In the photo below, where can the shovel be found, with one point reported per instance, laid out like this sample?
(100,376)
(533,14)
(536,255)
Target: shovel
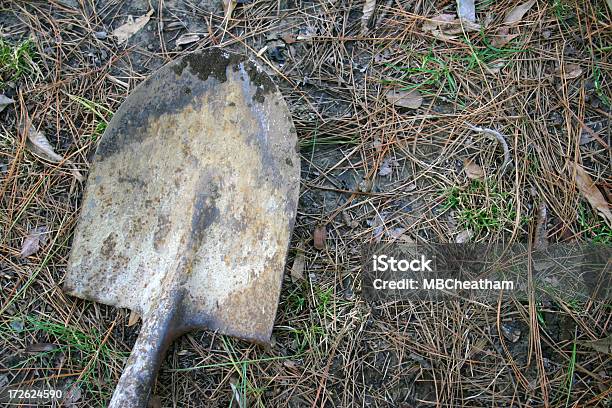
(189,209)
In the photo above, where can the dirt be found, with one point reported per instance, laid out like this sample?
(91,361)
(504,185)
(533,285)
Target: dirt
(330,346)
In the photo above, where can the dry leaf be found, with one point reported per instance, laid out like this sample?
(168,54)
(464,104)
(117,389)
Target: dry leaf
(133,319)
(502,37)
(228,8)
(319,236)
(5,101)
(464,236)
(472,170)
(297,269)
(40,146)
(40,348)
(32,243)
(446,26)
(368,12)
(602,345)
(407,99)
(589,190)
(436,21)
(131,27)
(187,39)
(516,14)
(569,71)
(385,167)
(72,396)
(466,10)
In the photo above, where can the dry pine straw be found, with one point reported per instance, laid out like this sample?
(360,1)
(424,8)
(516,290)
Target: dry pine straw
(331,348)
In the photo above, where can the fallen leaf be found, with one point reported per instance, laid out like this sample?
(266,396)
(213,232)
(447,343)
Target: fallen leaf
(348,220)
(446,26)
(466,10)
(378,227)
(589,190)
(131,27)
(319,236)
(502,37)
(385,167)
(5,101)
(40,146)
(228,8)
(32,243)
(289,38)
(464,236)
(602,345)
(569,71)
(411,99)
(133,319)
(516,14)
(368,12)
(187,39)
(40,348)
(297,269)
(511,333)
(472,170)
(396,233)
(436,21)
(72,396)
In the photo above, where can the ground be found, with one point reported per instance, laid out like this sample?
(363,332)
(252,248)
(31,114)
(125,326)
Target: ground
(435,170)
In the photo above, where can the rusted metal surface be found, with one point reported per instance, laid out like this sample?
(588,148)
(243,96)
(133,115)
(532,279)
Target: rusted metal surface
(190,202)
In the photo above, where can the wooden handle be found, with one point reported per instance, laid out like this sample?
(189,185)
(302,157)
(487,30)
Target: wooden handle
(134,387)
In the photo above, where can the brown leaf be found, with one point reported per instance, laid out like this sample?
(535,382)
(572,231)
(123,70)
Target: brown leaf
(472,170)
(133,319)
(436,21)
(228,8)
(32,243)
(72,396)
(411,99)
(502,37)
(5,101)
(319,236)
(385,167)
(368,11)
(187,39)
(569,71)
(602,345)
(464,236)
(289,38)
(446,26)
(589,190)
(40,348)
(131,27)
(297,269)
(40,146)
(516,14)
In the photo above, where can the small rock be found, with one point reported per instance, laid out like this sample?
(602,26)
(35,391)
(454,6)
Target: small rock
(100,35)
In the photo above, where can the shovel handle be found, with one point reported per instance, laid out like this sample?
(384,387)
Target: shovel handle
(134,387)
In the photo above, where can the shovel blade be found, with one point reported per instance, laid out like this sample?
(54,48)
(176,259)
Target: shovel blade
(194,187)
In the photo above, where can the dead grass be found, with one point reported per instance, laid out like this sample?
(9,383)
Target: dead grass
(330,348)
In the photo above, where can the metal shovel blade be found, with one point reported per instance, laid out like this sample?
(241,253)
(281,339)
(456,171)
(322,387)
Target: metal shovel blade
(189,208)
